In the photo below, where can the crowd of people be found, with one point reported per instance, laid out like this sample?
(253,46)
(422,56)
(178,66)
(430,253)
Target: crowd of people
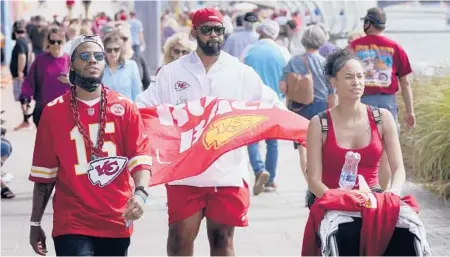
(74,70)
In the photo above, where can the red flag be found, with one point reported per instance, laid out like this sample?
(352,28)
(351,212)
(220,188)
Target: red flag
(188,138)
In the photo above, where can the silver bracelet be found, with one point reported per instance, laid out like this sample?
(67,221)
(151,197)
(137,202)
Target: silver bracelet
(35,223)
(143,198)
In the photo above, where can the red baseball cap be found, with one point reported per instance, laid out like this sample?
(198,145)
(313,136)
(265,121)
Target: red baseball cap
(205,15)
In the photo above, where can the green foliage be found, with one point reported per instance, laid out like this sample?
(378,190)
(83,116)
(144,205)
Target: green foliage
(426,148)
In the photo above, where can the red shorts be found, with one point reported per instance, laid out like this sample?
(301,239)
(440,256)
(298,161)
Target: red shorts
(224,205)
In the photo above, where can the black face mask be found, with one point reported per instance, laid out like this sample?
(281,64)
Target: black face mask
(211,47)
(90,84)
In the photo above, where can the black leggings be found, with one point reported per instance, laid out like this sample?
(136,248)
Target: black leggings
(37,115)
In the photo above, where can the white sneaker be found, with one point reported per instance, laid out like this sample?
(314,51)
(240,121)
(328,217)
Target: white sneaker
(7,177)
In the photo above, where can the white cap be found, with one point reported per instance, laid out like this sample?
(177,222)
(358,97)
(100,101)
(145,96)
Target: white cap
(81,39)
(269,28)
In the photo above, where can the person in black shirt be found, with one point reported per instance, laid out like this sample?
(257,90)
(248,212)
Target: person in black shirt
(21,58)
(37,35)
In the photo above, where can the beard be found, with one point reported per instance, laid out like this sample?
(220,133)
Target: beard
(89,84)
(211,47)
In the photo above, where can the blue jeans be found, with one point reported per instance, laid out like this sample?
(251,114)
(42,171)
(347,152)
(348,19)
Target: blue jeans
(79,245)
(388,102)
(270,164)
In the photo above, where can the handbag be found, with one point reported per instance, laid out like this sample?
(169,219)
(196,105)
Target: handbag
(300,88)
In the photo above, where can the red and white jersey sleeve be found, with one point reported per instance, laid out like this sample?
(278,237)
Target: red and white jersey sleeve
(45,163)
(137,145)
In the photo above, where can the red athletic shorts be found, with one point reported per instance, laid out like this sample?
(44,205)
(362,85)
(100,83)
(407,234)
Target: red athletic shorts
(224,205)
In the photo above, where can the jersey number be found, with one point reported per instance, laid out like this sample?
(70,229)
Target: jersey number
(80,147)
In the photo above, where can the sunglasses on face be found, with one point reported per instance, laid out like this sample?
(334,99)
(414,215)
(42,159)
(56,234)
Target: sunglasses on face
(86,56)
(207,30)
(110,50)
(178,51)
(52,42)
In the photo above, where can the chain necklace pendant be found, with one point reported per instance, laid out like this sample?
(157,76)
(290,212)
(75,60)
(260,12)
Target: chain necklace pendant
(91,111)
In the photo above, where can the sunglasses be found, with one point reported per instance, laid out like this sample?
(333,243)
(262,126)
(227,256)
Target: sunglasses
(207,30)
(178,51)
(86,56)
(110,50)
(52,42)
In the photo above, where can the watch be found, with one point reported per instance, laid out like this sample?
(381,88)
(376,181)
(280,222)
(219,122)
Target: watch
(141,188)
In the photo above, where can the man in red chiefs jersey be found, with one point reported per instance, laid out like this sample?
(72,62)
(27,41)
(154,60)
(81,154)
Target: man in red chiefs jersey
(90,144)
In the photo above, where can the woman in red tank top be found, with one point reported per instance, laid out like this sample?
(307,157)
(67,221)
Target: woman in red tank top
(351,127)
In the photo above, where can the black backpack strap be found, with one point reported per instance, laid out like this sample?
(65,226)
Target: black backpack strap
(323,117)
(376,113)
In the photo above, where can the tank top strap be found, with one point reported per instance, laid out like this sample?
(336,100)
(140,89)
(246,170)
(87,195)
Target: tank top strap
(330,132)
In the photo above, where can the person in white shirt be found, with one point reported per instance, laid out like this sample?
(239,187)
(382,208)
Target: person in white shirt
(221,192)
(239,40)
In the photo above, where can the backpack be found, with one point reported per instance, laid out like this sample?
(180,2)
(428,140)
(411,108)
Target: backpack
(323,116)
(300,88)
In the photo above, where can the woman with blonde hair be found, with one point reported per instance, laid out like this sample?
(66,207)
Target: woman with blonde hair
(176,46)
(121,74)
(123,29)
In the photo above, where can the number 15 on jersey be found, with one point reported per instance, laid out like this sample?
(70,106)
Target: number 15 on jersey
(108,147)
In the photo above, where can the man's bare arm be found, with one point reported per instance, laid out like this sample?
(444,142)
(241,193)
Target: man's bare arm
(41,195)
(407,93)
(141,178)
(21,61)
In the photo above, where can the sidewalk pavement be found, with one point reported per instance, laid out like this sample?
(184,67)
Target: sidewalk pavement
(276,219)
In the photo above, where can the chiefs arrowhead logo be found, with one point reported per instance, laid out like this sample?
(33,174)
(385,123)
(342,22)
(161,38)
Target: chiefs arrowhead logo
(181,85)
(104,170)
(223,130)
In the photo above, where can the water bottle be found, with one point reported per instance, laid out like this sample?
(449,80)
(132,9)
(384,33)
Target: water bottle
(349,171)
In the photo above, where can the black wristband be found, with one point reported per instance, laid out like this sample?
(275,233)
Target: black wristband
(141,188)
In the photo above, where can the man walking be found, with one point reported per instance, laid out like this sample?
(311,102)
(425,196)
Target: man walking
(137,33)
(221,192)
(238,41)
(90,143)
(266,58)
(21,59)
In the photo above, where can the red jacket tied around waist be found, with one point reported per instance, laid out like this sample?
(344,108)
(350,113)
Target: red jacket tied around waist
(379,218)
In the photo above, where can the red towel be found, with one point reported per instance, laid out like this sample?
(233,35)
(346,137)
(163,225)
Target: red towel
(378,222)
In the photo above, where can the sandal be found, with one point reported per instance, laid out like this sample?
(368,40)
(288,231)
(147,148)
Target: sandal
(7,193)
